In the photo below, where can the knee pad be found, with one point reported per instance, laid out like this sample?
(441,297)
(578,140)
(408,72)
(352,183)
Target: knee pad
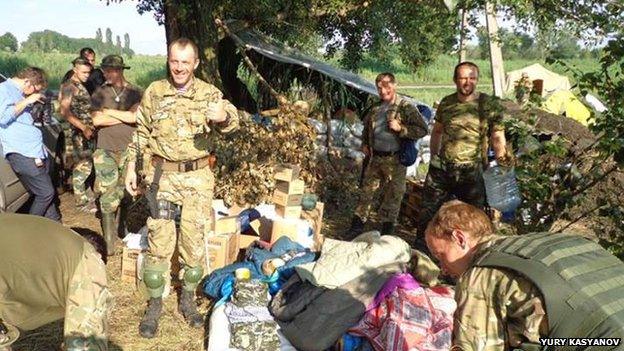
(192,276)
(155,282)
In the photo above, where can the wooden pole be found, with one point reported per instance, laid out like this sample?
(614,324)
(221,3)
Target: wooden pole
(462,35)
(496,55)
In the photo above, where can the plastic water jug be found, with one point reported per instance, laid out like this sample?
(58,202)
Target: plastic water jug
(501,189)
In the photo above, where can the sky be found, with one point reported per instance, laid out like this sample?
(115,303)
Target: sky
(81,19)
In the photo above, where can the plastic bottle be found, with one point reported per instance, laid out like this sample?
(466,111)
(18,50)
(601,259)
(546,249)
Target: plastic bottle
(502,190)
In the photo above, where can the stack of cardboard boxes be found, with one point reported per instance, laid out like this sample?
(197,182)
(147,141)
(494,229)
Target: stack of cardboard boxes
(412,199)
(224,241)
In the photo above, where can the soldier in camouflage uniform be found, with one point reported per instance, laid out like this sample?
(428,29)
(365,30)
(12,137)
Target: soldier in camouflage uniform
(387,122)
(114,105)
(174,123)
(75,105)
(49,272)
(459,141)
(512,291)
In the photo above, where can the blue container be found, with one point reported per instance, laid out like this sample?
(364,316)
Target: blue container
(501,188)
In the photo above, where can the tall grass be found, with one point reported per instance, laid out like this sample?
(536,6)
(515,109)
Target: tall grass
(441,70)
(144,69)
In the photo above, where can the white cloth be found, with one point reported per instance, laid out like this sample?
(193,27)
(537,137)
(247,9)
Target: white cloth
(219,333)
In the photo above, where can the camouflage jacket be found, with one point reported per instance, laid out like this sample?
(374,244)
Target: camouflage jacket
(463,135)
(175,125)
(413,123)
(496,309)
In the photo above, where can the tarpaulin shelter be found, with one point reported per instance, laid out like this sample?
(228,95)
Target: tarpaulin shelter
(281,65)
(552,81)
(563,102)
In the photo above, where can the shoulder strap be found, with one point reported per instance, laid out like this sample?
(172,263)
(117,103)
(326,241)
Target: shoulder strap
(484,128)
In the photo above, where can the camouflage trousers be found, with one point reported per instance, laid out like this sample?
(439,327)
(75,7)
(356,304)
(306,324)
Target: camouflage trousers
(80,173)
(252,326)
(445,182)
(389,174)
(193,191)
(109,178)
(88,302)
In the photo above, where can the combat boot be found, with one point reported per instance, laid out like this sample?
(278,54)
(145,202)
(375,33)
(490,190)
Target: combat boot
(387,228)
(357,227)
(149,322)
(109,231)
(188,308)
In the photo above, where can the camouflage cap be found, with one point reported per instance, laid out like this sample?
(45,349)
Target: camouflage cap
(113,61)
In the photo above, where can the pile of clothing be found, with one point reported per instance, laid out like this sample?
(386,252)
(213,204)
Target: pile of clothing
(371,293)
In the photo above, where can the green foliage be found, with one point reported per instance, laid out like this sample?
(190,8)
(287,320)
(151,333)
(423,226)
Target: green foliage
(98,35)
(51,41)
(515,44)
(8,42)
(420,33)
(145,69)
(109,36)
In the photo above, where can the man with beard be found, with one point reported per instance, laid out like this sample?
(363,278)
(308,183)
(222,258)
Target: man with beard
(174,122)
(467,123)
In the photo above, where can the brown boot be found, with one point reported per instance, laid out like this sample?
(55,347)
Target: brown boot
(188,308)
(149,322)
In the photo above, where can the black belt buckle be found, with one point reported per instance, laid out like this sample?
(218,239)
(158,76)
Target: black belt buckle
(187,166)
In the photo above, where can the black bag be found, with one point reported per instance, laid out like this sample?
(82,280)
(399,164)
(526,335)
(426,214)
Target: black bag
(408,152)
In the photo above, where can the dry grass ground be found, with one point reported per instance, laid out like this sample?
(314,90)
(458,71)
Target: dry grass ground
(128,307)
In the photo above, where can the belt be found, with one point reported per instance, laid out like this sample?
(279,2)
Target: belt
(182,166)
(385,153)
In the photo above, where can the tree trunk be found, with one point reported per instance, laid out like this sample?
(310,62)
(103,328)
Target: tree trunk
(194,20)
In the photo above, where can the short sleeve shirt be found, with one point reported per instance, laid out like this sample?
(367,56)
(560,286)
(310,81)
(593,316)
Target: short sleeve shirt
(117,137)
(462,135)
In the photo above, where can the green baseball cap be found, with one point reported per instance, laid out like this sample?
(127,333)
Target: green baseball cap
(113,61)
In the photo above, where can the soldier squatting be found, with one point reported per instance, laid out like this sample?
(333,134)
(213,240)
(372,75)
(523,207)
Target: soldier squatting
(512,292)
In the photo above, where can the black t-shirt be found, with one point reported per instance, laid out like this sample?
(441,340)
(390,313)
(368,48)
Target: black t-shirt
(117,137)
(96,79)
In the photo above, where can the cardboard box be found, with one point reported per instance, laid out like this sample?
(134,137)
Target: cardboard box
(284,199)
(315,218)
(284,227)
(226,225)
(221,250)
(288,211)
(129,259)
(245,240)
(297,186)
(286,173)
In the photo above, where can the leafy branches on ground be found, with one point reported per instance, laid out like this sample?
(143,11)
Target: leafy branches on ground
(247,159)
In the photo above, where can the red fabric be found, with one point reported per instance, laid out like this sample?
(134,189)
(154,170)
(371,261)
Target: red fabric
(418,319)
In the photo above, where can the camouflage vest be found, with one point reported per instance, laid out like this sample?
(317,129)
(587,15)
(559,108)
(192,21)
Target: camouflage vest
(582,283)
(80,106)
